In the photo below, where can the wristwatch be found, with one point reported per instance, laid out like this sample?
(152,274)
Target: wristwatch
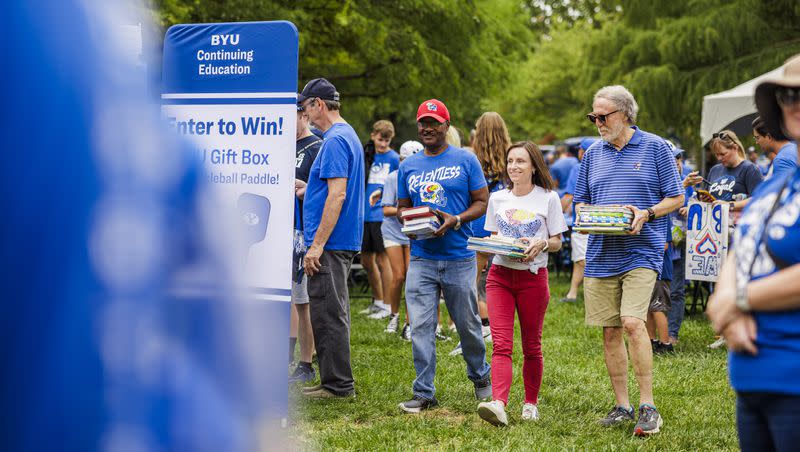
(741,299)
(651,214)
(458,223)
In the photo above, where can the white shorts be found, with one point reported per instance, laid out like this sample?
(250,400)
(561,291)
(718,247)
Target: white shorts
(390,243)
(300,291)
(579,243)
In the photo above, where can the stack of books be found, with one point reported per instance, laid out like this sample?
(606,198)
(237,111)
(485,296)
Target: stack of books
(494,244)
(420,222)
(603,219)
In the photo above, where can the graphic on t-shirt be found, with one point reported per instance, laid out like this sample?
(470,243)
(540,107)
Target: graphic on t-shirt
(378,173)
(722,188)
(518,223)
(432,193)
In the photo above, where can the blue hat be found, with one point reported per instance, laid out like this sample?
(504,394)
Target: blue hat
(677,152)
(586,142)
(321,88)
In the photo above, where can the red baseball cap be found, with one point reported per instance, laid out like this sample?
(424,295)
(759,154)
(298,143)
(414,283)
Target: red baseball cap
(433,108)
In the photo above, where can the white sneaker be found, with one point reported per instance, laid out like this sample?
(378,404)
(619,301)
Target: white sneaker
(456,351)
(406,333)
(487,333)
(393,324)
(494,412)
(381,314)
(530,412)
(371,309)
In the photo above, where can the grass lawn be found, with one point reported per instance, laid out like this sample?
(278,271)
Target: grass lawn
(691,391)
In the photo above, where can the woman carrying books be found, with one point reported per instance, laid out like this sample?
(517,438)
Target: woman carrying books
(529,211)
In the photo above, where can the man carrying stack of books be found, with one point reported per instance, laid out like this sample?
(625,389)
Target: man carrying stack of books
(448,184)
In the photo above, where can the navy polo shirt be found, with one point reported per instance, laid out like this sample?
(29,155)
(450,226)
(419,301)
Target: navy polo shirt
(641,174)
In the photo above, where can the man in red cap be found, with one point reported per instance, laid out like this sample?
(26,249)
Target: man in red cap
(449,180)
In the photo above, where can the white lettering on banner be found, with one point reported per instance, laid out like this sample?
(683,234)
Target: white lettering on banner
(706,239)
(217,40)
(439,174)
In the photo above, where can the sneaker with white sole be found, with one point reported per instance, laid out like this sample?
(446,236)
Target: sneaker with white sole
(393,324)
(371,309)
(456,351)
(483,389)
(530,412)
(381,314)
(493,412)
(418,404)
(487,333)
(439,335)
(649,421)
(406,333)
(616,416)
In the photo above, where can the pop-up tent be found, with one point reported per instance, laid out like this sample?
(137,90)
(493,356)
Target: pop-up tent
(733,109)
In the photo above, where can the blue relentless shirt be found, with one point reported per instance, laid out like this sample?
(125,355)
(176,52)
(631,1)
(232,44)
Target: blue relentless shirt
(777,365)
(340,156)
(560,172)
(640,174)
(786,160)
(443,182)
(391,228)
(381,167)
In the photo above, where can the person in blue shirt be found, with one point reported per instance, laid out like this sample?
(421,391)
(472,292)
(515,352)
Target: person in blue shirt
(781,152)
(449,180)
(756,304)
(634,169)
(333,224)
(578,242)
(561,168)
(678,285)
(379,161)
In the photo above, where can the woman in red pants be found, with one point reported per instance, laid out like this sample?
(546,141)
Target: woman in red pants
(529,210)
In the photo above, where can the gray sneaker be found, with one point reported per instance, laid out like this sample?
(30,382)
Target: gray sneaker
(649,421)
(483,390)
(418,404)
(616,416)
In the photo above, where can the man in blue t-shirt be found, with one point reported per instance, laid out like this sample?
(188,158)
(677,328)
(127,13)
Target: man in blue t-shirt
(561,168)
(449,180)
(781,152)
(637,170)
(333,223)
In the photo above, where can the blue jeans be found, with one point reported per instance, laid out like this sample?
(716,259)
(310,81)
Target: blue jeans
(768,421)
(456,280)
(677,294)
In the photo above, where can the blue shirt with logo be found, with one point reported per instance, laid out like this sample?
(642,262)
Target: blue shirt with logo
(786,160)
(640,174)
(560,171)
(381,167)
(726,182)
(340,156)
(443,182)
(765,248)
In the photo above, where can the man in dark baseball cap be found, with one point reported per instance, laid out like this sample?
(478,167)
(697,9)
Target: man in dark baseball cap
(318,88)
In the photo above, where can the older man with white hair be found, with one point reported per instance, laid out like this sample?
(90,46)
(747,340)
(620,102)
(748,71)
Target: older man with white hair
(636,169)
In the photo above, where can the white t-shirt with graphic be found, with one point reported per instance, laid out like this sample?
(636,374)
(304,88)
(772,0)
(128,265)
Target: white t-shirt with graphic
(537,214)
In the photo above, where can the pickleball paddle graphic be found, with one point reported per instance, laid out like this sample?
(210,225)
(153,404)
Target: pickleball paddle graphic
(254,216)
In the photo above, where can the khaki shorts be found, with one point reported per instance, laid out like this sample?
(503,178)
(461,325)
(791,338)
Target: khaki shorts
(625,295)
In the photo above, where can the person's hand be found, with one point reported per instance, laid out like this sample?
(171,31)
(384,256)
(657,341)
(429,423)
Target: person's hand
(374,197)
(740,335)
(535,246)
(448,221)
(639,219)
(299,188)
(722,308)
(692,178)
(683,211)
(311,260)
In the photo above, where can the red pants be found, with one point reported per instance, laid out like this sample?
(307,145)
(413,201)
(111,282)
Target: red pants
(508,290)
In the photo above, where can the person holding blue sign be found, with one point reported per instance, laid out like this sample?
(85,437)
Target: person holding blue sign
(634,169)
(756,304)
(333,222)
(449,180)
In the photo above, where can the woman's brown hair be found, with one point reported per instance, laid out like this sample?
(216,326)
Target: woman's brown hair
(490,143)
(541,173)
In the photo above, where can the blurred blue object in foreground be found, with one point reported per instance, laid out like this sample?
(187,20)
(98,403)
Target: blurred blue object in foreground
(101,224)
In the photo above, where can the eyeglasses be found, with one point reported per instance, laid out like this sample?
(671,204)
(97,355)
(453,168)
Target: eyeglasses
(722,136)
(787,97)
(433,124)
(593,117)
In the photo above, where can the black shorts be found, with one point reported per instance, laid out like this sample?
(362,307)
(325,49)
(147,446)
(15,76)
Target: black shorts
(660,301)
(373,238)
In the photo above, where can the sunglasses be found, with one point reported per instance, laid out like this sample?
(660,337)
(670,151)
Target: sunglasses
(593,117)
(787,97)
(722,136)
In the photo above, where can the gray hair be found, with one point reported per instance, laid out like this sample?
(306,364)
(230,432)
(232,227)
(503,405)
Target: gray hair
(622,98)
